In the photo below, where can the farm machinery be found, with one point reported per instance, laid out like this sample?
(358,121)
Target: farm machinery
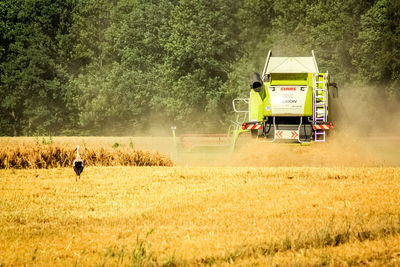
(290,101)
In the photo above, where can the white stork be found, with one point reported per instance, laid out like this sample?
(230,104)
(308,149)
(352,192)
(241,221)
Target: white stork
(78,164)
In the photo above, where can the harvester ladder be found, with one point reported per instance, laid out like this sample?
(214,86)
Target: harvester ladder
(320,105)
(242,115)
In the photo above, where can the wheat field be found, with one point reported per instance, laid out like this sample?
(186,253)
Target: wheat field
(21,154)
(187,215)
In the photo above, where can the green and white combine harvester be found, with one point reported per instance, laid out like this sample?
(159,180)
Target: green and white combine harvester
(290,101)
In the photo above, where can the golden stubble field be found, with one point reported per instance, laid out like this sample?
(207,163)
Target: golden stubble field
(303,214)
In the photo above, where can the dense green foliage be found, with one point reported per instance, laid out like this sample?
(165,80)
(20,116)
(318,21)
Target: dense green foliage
(130,66)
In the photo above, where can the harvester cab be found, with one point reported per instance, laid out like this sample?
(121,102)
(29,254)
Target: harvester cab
(288,102)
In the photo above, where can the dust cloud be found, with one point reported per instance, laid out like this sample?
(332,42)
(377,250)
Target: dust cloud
(340,151)
(366,134)
(366,112)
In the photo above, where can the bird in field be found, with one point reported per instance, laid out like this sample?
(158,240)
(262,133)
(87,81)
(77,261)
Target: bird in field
(78,164)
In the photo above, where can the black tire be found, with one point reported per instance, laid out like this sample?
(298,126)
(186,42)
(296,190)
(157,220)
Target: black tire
(254,133)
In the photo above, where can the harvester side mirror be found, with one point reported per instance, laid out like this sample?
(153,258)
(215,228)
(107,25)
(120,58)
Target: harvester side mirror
(256,82)
(335,91)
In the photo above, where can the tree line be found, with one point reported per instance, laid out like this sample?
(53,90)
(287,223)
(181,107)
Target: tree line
(106,67)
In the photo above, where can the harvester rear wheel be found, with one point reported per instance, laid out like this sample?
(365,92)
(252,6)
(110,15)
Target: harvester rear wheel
(254,133)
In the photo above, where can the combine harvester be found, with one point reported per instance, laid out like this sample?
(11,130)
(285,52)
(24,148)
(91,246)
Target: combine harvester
(288,102)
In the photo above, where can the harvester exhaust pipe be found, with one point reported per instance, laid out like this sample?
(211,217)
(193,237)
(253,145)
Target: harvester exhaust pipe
(256,82)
